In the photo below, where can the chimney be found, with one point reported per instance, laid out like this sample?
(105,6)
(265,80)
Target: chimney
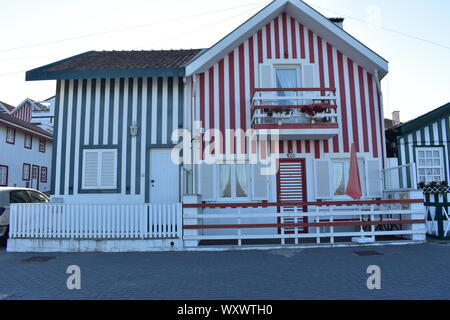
(338,21)
(396,117)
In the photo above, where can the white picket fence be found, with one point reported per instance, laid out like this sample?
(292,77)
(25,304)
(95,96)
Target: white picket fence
(96,221)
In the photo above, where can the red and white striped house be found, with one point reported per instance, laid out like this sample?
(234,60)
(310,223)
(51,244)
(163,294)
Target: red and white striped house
(265,118)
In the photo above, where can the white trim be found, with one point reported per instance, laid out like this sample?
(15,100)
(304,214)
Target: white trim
(361,54)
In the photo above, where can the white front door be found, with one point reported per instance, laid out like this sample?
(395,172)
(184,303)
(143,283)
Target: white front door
(164,177)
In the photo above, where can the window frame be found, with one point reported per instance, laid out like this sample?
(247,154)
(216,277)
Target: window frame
(25,141)
(362,177)
(29,171)
(99,186)
(7,176)
(233,174)
(14,135)
(42,150)
(46,174)
(442,168)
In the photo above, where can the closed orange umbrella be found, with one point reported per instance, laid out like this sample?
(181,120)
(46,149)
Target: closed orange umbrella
(354,183)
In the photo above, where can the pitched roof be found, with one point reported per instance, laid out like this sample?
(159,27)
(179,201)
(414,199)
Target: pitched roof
(94,64)
(422,120)
(298,9)
(7,106)
(25,126)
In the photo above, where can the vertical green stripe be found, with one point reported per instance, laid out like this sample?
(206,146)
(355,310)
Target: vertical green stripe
(139,137)
(422,136)
(120,130)
(407,160)
(92,115)
(447,130)
(82,126)
(401,147)
(129,122)
(73,135)
(62,156)
(101,117)
(148,138)
(159,112)
(112,92)
(55,137)
(169,120)
(180,102)
(432,141)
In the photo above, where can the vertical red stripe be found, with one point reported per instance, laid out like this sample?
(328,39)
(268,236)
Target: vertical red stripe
(285,36)
(317,149)
(232,100)
(302,41)
(372,115)
(322,77)
(289,146)
(260,47)
(293,38)
(380,133)
(221,105)
(251,55)
(211,107)
(362,92)
(277,38)
(281,146)
(332,85)
(311,46)
(343,101)
(268,42)
(351,76)
(242,104)
(308,146)
(202,108)
(299,146)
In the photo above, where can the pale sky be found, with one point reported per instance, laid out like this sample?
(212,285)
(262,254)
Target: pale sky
(418,81)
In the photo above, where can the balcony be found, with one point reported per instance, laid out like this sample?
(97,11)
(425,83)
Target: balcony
(298,113)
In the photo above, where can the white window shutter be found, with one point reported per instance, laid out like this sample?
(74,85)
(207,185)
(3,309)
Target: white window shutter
(309,76)
(108,169)
(208,181)
(373,178)
(91,168)
(260,183)
(265,76)
(323,179)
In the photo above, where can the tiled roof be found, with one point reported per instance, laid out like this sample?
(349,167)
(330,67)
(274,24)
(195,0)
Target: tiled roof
(26,125)
(104,60)
(7,106)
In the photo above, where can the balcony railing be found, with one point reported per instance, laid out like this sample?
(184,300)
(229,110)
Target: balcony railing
(294,108)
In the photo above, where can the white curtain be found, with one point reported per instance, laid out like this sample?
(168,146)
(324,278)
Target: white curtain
(225,181)
(338,178)
(286,78)
(241,186)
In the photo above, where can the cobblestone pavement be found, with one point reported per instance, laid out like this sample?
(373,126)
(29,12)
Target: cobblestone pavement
(407,272)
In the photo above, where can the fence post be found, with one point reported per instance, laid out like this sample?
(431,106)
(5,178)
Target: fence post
(190,199)
(420,229)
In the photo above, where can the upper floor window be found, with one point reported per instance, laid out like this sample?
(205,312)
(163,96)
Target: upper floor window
(11,135)
(3,176)
(28,142)
(430,164)
(99,169)
(233,181)
(42,144)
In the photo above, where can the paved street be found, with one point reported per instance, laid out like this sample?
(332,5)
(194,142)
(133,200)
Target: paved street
(407,272)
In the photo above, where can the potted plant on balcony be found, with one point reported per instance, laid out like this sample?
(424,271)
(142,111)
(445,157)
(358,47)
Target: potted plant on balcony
(312,110)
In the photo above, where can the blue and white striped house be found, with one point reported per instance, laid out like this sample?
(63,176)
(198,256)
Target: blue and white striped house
(100,98)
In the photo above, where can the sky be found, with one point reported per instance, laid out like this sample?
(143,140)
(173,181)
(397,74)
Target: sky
(34,33)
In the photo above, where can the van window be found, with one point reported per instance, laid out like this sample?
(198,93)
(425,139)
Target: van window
(19,196)
(37,197)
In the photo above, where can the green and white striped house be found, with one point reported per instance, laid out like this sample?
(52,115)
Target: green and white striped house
(423,141)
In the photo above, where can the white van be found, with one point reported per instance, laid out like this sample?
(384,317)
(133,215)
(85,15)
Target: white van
(10,195)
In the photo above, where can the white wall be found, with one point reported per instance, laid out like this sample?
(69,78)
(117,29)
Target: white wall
(15,155)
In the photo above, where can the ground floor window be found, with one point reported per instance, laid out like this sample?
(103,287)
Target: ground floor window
(430,164)
(3,176)
(233,181)
(340,170)
(43,177)
(99,169)
(26,168)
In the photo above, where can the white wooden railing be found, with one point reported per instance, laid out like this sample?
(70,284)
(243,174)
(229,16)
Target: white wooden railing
(400,178)
(96,221)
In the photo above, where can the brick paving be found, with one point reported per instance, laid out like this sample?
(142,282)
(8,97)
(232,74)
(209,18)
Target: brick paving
(408,272)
